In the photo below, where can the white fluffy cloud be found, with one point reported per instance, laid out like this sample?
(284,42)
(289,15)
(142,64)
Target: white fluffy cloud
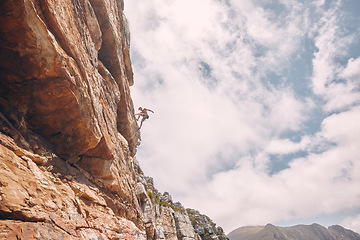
(219,76)
(352,222)
(286,146)
(336,84)
(321,183)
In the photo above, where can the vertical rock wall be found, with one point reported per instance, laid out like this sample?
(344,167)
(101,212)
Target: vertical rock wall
(65,104)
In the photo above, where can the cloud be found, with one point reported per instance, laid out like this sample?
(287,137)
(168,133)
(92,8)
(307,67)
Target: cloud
(217,75)
(352,222)
(335,83)
(352,70)
(286,146)
(320,183)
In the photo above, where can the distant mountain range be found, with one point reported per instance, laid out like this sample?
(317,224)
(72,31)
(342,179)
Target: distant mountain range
(298,232)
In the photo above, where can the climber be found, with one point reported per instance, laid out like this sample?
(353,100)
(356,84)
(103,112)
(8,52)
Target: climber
(144,114)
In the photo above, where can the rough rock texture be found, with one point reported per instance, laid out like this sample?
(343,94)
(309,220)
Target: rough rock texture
(184,229)
(298,232)
(39,202)
(205,227)
(165,219)
(170,220)
(68,133)
(65,103)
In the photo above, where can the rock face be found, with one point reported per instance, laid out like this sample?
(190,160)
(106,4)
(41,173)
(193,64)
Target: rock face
(68,133)
(299,232)
(65,103)
(170,220)
(205,227)
(165,220)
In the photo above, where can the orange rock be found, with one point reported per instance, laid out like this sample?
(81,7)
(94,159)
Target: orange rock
(65,91)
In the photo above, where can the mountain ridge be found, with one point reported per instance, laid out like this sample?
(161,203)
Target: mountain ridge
(297,232)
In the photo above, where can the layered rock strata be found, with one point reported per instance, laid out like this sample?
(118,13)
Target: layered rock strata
(68,133)
(65,104)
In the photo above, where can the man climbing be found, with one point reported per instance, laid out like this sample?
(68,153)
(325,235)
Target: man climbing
(144,114)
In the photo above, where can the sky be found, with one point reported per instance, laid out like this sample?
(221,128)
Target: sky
(256,107)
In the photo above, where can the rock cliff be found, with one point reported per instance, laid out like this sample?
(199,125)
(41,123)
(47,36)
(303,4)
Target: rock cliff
(68,134)
(298,232)
(170,220)
(205,227)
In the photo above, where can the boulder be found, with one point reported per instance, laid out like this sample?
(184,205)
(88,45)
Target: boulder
(185,230)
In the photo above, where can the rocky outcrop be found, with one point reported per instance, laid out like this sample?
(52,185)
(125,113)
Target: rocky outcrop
(68,133)
(298,232)
(170,220)
(165,219)
(43,202)
(68,130)
(184,229)
(205,227)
